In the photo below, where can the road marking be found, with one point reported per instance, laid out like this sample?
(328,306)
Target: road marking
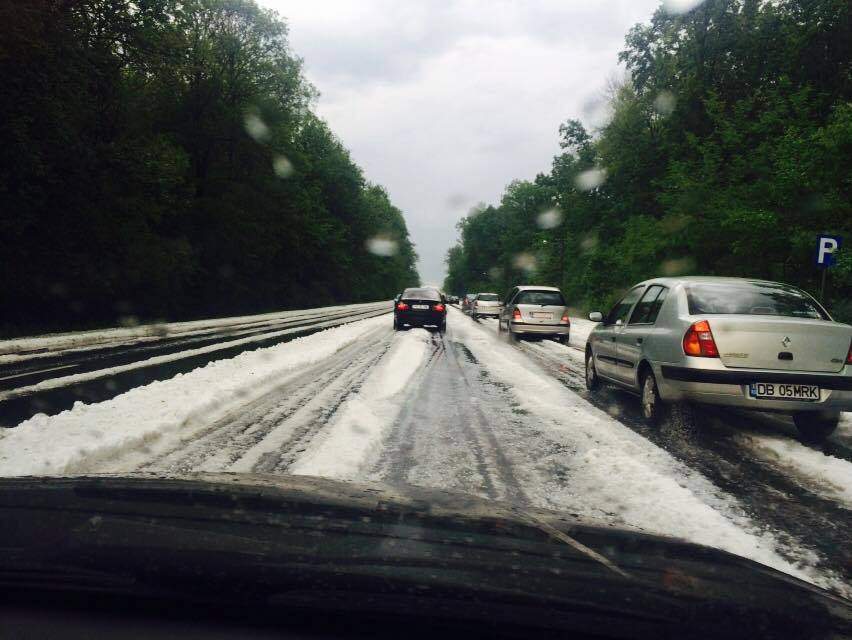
(32,373)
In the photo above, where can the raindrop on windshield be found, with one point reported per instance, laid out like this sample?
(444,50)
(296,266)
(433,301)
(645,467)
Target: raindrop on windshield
(674,222)
(664,103)
(476,210)
(597,111)
(256,127)
(456,200)
(589,242)
(382,246)
(525,262)
(159,329)
(678,266)
(674,7)
(549,219)
(282,166)
(591,179)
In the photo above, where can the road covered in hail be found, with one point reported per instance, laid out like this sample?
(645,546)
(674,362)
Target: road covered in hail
(468,411)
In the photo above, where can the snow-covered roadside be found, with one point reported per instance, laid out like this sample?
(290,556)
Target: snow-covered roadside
(580,330)
(845,427)
(825,474)
(77,440)
(356,435)
(617,475)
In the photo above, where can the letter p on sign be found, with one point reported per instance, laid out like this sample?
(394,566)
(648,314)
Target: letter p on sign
(826,248)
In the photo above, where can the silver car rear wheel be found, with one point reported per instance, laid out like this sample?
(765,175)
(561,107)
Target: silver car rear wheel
(652,404)
(593,383)
(815,427)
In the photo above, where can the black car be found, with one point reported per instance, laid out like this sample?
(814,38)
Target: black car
(420,307)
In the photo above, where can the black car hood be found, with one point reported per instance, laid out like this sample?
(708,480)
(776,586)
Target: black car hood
(285,543)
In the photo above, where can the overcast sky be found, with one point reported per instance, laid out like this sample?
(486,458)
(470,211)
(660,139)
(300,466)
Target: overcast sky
(446,102)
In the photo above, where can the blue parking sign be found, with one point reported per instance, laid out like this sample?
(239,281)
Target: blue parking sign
(827,246)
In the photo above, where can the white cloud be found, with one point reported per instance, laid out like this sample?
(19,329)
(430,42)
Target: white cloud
(445,102)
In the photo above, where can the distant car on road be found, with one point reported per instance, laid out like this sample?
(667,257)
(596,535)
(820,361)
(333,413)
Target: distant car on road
(466,302)
(420,307)
(531,310)
(454,299)
(485,305)
(735,342)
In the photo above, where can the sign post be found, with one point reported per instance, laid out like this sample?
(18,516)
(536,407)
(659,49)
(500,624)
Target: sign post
(827,246)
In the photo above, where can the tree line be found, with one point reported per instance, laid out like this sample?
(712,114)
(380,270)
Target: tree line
(160,159)
(727,150)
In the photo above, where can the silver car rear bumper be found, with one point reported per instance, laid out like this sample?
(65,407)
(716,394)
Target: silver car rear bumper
(541,329)
(731,388)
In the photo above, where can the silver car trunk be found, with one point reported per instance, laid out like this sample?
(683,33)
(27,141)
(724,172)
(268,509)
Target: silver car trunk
(791,344)
(540,314)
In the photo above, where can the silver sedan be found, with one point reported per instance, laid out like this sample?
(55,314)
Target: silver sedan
(535,311)
(485,305)
(736,342)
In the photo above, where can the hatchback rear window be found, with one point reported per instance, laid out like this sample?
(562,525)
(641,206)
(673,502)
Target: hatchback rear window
(421,294)
(487,297)
(752,299)
(552,298)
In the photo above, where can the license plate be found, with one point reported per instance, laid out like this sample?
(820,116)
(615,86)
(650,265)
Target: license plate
(784,391)
(543,316)
(420,306)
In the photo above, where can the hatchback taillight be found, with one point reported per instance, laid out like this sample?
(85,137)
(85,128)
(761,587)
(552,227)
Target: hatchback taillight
(565,319)
(516,314)
(698,341)
(401,306)
(439,307)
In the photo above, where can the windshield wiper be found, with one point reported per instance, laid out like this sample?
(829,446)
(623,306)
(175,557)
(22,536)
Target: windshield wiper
(556,534)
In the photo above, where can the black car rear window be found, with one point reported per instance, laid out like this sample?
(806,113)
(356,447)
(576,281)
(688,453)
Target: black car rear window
(752,299)
(421,294)
(487,297)
(551,298)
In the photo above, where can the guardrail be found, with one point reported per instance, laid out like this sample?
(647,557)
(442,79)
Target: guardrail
(100,370)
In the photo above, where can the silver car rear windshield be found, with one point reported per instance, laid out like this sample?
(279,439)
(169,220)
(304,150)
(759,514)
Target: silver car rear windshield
(487,297)
(753,300)
(548,298)
(421,294)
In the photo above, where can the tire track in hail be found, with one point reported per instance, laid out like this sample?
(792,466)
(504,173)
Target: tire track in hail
(320,411)
(481,430)
(248,424)
(398,457)
(423,427)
